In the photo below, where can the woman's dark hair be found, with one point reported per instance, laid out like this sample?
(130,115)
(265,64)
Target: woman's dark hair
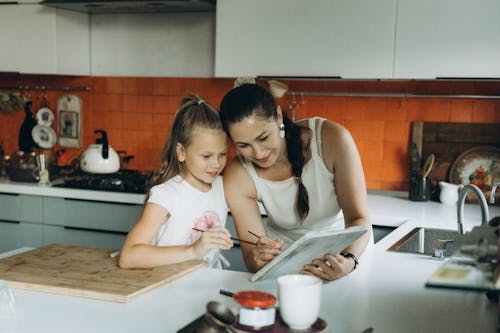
(193,112)
(252,99)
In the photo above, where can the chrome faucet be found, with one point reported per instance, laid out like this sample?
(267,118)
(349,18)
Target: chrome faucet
(493,190)
(461,202)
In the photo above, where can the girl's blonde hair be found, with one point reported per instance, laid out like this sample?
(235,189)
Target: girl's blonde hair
(193,113)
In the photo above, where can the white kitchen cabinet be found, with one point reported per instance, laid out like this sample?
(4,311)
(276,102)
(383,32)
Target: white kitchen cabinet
(72,43)
(351,39)
(447,38)
(40,40)
(20,221)
(88,223)
(166,44)
(83,237)
(31,220)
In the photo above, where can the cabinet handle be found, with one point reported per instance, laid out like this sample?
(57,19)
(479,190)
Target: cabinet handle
(9,221)
(121,233)
(103,202)
(11,194)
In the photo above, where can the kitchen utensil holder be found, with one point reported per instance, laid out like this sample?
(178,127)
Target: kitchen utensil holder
(420,188)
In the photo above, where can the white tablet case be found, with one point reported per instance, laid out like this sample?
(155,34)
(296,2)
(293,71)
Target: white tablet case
(312,245)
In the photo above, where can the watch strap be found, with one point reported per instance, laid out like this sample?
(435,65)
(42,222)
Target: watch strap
(352,256)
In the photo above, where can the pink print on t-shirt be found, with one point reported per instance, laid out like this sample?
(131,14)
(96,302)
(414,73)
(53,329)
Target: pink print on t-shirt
(207,220)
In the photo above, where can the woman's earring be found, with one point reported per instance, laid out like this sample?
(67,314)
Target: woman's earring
(282,130)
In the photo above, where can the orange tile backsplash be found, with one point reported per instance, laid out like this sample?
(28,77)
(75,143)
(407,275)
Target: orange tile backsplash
(137,113)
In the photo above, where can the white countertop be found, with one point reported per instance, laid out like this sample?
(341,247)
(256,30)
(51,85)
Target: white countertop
(8,186)
(386,292)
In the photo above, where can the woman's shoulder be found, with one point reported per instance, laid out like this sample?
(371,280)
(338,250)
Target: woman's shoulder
(330,130)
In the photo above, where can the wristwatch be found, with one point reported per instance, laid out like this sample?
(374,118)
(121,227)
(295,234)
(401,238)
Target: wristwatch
(352,256)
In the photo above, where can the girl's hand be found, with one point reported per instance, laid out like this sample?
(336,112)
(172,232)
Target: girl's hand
(266,250)
(333,266)
(213,238)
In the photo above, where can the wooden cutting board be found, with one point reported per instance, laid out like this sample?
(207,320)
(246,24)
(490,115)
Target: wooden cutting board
(86,272)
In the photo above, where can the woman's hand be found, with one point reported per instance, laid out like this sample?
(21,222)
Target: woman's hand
(213,238)
(331,267)
(266,250)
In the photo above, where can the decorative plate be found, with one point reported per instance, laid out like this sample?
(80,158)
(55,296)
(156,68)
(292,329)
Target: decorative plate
(479,165)
(44,136)
(44,117)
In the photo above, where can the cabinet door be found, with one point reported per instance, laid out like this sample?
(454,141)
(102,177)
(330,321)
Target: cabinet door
(42,40)
(21,208)
(88,214)
(83,237)
(72,42)
(166,44)
(351,39)
(27,39)
(447,38)
(15,234)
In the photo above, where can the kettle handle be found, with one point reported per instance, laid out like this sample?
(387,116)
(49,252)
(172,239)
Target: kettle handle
(104,141)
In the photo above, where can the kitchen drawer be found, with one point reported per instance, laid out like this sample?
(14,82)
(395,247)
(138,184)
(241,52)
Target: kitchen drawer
(21,208)
(89,214)
(14,235)
(83,237)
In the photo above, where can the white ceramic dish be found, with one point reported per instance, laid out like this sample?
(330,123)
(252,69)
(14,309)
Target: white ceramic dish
(44,136)
(44,117)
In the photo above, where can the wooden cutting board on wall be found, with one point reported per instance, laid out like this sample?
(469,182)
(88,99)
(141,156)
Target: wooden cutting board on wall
(448,140)
(86,272)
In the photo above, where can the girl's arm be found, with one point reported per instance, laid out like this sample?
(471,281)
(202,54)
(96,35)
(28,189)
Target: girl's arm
(342,158)
(138,251)
(240,194)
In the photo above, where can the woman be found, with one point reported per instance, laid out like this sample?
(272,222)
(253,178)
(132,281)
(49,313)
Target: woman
(308,175)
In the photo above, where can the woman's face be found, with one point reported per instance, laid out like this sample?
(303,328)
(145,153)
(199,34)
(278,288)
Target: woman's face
(204,158)
(258,139)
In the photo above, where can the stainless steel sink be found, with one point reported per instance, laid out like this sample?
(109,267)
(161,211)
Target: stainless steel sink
(429,241)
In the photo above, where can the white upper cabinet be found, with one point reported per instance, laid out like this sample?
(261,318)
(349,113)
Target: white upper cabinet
(447,38)
(27,39)
(72,43)
(351,39)
(40,40)
(167,44)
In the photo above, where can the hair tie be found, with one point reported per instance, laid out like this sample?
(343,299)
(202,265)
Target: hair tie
(298,180)
(200,101)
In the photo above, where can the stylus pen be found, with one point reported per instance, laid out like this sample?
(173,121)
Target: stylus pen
(233,238)
(254,234)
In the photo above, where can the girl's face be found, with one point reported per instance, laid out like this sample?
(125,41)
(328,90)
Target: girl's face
(204,158)
(258,139)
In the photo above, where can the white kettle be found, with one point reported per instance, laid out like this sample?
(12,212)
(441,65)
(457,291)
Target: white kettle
(100,157)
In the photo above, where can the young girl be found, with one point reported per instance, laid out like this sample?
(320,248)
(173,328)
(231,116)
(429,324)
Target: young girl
(186,194)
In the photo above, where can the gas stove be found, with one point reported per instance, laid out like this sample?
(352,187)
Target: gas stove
(129,181)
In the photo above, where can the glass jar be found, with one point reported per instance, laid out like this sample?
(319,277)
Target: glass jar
(256,309)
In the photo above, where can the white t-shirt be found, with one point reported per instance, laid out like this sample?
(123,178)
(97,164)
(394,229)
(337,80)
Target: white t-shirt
(189,208)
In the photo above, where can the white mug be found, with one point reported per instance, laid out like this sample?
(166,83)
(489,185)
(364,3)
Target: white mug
(448,193)
(300,299)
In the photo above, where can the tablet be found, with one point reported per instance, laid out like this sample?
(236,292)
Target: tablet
(313,244)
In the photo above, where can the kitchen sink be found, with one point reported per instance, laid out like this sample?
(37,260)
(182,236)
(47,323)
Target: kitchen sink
(429,241)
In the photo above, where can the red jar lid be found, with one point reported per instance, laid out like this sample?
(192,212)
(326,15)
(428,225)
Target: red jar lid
(254,299)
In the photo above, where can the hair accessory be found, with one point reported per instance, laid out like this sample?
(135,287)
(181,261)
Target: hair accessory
(200,101)
(282,130)
(243,80)
(298,180)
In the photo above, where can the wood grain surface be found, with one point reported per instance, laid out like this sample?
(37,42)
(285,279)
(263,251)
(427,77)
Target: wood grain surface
(86,272)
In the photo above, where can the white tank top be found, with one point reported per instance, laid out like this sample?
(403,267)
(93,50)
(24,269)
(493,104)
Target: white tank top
(279,197)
